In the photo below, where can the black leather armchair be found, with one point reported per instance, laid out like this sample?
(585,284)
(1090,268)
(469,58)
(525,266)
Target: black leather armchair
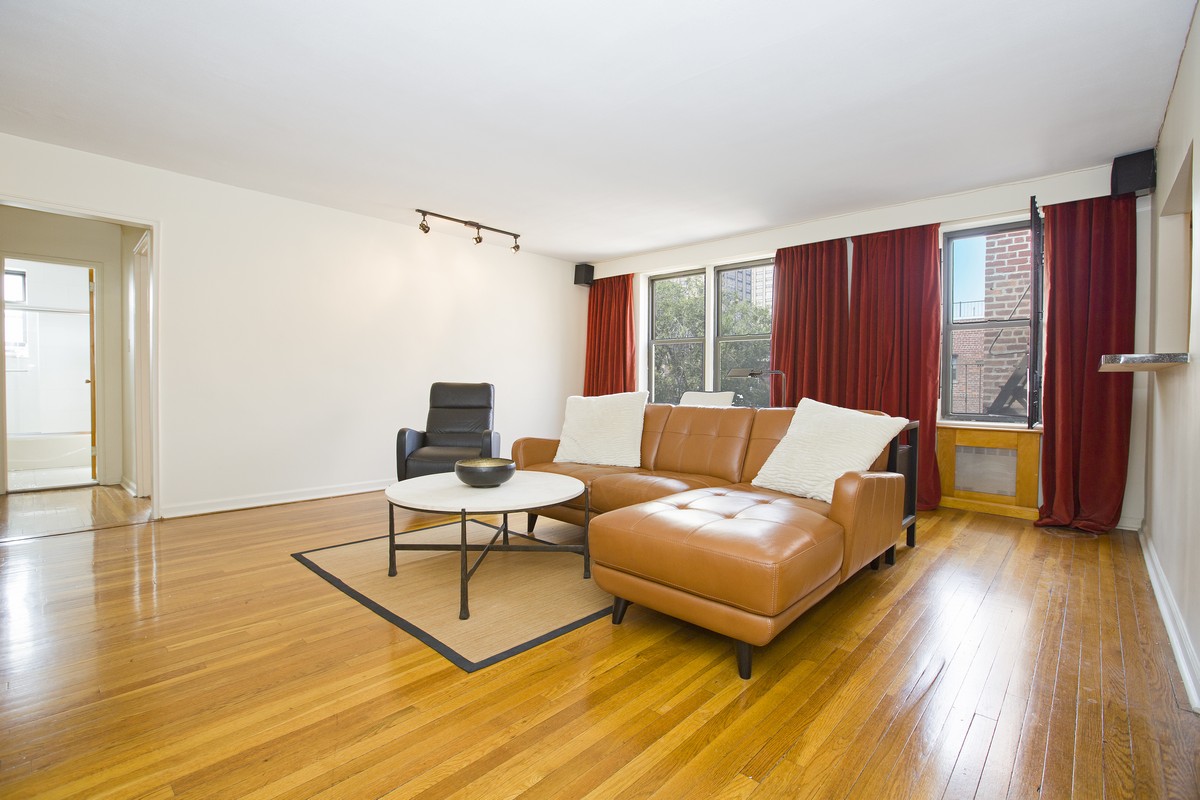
(459,426)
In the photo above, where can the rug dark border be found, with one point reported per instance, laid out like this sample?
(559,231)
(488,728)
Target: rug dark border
(447,652)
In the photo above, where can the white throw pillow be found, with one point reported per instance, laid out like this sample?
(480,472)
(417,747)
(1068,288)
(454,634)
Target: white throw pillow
(603,430)
(823,443)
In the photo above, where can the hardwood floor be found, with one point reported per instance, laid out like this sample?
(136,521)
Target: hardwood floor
(196,658)
(28,514)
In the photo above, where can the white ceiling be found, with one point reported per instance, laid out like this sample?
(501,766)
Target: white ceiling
(602,129)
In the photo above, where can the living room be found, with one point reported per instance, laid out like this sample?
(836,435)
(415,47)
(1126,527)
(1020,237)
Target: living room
(294,332)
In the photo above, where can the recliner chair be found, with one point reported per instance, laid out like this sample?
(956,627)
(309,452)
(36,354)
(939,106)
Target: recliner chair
(459,426)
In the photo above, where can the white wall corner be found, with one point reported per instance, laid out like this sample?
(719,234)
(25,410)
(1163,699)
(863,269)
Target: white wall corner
(1183,647)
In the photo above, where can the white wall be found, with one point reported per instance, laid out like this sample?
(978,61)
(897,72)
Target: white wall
(25,233)
(294,340)
(1171,536)
(981,205)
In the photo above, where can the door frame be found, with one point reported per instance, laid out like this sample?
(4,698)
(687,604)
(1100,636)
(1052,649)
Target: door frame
(145,480)
(146,320)
(93,268)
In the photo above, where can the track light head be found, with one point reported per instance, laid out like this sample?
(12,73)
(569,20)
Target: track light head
(424,226)
(516,248)
(478,235)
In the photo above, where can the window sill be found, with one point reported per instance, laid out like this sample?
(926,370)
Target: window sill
(978,425)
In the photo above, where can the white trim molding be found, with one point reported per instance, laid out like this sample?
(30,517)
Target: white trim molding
(1181,645)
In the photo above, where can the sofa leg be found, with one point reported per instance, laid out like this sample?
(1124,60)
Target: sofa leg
(620,606)
(743,659)
(532,522)
(875,562)
(889,557)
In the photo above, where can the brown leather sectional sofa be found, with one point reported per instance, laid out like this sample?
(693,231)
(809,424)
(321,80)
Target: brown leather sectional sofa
(688,535)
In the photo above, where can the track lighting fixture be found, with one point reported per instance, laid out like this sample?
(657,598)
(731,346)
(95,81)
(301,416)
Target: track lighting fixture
(479,229)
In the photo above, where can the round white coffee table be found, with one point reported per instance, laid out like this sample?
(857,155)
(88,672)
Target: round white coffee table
(446,494)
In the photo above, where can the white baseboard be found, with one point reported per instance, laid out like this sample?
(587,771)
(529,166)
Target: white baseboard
(1181,644)
(1130,523)
(272,499)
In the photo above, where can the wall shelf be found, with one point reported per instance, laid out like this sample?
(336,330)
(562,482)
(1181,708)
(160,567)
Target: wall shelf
(1142,362)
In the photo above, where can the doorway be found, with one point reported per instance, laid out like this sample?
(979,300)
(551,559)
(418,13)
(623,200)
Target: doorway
(49,354)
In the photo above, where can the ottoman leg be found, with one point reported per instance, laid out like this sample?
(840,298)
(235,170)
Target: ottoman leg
(743,659)
(620,606)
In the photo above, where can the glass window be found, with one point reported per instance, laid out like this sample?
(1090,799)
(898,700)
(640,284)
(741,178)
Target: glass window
(987,341)
(744,296)
(14,286)
(677,336)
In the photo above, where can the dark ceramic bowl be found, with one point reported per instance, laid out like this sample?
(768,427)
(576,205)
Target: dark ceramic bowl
(484,473)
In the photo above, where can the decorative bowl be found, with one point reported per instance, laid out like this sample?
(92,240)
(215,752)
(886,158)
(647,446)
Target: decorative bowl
(484,473)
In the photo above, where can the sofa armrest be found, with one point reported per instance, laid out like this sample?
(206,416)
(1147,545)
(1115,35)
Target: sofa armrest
(531,450)
(407,442)
(869,506)
(490,446)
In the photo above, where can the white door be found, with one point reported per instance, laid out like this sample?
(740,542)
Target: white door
(49,374)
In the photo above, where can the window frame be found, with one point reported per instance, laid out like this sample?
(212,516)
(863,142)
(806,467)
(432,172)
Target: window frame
(1033,323)
(717,338)
(651,341)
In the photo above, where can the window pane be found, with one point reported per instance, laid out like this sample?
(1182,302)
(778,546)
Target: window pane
(991,276)
(745,354)
(678,308)
(744,298)
(678,368)
(991,370)
(14,287)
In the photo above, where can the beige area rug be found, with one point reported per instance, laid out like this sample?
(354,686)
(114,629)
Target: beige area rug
(517,599)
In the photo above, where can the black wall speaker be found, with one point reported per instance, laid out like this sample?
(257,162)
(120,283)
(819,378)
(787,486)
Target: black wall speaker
(585,274)
(1135,172)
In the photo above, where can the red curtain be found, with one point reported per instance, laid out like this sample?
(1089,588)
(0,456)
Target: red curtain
(895,305)
(611,354)
(809,323)
(1091,269)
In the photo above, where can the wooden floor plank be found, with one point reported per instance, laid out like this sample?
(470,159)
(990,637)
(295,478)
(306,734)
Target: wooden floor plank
(196,658)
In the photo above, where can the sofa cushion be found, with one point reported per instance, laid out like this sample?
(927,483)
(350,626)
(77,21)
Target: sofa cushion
(588,473)
(629,488)
(822,443)
(755,550)
(705,441)
(603,430)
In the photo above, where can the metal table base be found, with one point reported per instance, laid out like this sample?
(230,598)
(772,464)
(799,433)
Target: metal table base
(502,533)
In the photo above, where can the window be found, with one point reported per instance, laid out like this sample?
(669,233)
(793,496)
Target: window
(683,351)
(14,286)
(677,335)
(16,322)
(743,341)
(990,342)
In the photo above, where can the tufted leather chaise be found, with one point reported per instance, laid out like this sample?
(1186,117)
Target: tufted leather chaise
(688,535)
